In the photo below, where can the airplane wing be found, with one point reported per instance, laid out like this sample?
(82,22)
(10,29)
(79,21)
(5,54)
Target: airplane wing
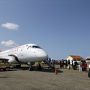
(4,59)
(10,58)
(7,58)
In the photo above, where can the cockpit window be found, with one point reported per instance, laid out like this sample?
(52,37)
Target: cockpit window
(36,47)
(33,47)
(28,47)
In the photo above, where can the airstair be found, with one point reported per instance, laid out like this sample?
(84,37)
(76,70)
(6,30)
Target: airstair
(49,64)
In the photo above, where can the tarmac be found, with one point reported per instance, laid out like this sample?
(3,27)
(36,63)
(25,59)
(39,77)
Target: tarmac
(44,80)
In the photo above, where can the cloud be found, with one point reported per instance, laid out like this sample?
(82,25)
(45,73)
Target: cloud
(9,43)
(10,26)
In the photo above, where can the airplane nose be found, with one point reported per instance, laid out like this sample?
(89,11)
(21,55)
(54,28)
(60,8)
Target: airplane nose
(42,55)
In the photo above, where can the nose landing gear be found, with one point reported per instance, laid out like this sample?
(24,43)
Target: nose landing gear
(30,66)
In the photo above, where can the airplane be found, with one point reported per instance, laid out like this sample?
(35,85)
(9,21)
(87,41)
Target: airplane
(24,54)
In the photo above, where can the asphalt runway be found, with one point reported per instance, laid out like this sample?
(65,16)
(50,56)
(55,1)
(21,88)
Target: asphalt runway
(44,80)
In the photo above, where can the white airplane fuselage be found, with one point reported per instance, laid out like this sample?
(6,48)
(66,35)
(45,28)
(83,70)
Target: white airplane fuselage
(25,53)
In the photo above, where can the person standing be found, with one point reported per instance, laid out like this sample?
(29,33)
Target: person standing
(68,64)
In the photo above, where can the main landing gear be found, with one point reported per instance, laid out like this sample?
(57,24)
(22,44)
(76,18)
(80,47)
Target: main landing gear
(30,66)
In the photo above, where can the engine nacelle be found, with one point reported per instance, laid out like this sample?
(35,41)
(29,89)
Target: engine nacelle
(11,59)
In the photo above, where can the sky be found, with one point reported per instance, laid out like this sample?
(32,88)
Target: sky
(60,27)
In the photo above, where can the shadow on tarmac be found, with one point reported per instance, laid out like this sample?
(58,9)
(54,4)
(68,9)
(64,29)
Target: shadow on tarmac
(45,69)
(49,70)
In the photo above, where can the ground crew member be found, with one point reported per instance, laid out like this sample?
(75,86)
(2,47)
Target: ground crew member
(89,71)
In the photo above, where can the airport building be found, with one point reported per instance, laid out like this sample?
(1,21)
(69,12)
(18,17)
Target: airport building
(74,58)
(88,60)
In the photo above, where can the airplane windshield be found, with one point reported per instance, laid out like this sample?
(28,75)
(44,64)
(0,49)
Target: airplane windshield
(36,47)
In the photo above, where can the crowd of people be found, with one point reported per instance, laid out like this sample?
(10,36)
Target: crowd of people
(75,65)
